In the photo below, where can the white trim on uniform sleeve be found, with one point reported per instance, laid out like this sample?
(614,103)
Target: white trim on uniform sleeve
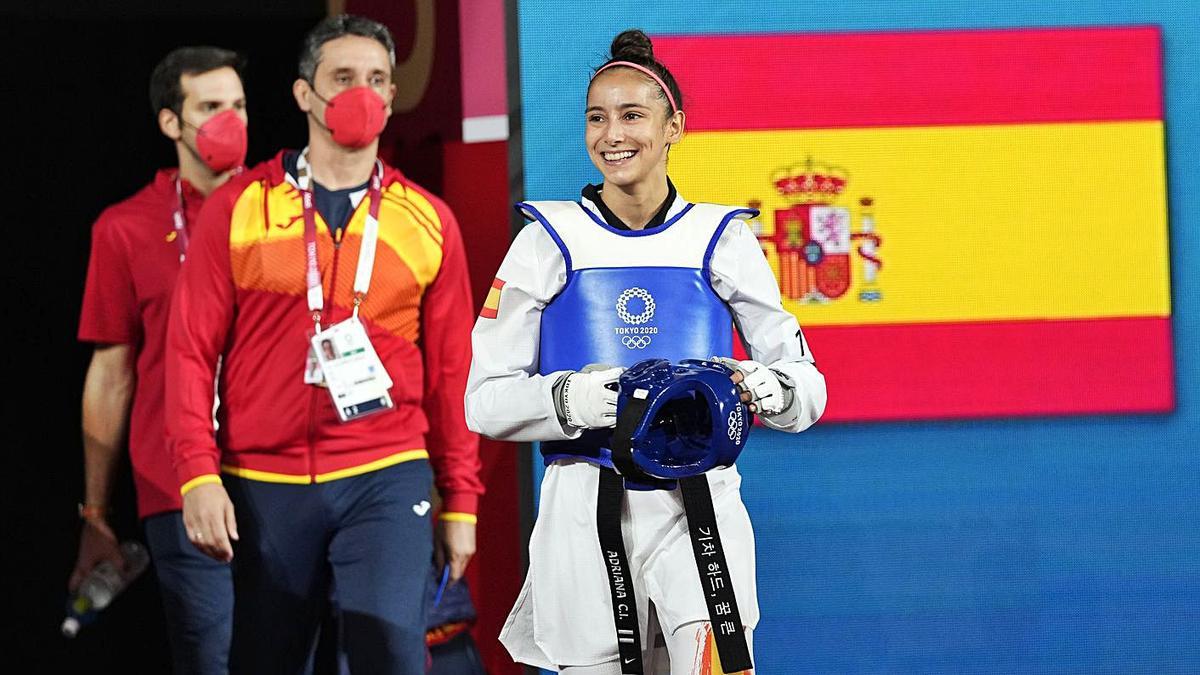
(506,399)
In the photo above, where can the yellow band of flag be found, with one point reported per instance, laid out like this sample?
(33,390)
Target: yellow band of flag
(491,304)
(977,223)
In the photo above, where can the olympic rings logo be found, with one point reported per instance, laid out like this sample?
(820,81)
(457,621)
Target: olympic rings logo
(735,422)
(634,319)
(636,341)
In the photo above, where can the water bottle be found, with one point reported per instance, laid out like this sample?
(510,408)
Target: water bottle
(101,585)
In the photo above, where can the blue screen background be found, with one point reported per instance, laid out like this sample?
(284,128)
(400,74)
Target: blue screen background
(1026,545)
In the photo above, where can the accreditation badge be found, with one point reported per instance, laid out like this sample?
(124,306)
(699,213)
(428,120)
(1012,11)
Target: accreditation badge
(357,381)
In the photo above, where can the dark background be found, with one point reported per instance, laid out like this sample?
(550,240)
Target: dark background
(78,135)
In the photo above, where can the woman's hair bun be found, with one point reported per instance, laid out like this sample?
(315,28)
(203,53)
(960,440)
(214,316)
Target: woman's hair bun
(632,45)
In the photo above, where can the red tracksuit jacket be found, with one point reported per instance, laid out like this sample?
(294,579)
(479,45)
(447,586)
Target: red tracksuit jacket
(241,296)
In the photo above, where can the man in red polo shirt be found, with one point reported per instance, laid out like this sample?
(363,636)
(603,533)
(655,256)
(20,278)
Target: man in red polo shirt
(137,247)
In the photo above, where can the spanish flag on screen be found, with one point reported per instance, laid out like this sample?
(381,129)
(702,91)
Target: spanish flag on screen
(966,223)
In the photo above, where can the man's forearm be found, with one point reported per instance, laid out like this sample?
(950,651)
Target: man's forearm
(99,467)
(107,394)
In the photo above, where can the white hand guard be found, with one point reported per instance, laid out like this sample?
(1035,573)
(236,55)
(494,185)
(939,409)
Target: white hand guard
(589,399)
(768,395)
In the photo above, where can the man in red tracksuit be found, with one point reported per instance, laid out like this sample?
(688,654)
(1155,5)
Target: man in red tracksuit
(283,252)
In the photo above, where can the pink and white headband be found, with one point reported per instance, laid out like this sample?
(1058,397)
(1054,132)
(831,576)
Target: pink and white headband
(654,76)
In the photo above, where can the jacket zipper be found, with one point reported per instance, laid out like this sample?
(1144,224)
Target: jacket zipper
(312,418)
(312,413)
(312,433)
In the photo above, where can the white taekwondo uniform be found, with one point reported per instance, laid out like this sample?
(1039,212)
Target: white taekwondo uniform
(564,613)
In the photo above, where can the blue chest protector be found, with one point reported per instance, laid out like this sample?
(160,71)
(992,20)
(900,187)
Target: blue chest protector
(630,296)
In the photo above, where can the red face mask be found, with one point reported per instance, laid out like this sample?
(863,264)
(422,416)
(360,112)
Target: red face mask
(221,141)
(355,117)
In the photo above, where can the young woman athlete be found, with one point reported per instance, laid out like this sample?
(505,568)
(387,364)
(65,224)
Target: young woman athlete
(632,270)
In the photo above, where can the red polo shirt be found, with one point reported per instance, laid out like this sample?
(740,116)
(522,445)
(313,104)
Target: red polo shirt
(130,280)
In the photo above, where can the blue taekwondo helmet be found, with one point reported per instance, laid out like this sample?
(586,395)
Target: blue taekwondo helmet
(691,419)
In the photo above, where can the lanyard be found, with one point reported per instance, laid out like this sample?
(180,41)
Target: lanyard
(180,220)
(179,217)
(366,252)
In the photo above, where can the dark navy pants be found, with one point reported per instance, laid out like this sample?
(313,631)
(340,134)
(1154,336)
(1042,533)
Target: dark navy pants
(370,535)
(197,594)
(459,656)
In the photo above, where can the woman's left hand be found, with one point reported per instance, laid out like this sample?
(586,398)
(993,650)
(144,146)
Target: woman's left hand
(761,390)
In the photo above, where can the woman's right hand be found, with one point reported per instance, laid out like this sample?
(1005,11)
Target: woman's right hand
(588,398)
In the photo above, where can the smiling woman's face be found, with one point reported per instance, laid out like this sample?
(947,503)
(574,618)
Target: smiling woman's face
(629,127)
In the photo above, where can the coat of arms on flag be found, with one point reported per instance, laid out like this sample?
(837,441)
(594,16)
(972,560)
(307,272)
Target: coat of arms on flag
(810,244)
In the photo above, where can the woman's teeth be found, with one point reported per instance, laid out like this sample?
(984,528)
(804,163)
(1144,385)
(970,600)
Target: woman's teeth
(617,156)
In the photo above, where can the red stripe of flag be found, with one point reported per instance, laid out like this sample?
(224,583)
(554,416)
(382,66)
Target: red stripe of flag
(491,304)
(1011,368)
(928,78)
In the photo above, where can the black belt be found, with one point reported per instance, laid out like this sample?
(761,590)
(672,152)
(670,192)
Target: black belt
(616,563)
(711,565)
